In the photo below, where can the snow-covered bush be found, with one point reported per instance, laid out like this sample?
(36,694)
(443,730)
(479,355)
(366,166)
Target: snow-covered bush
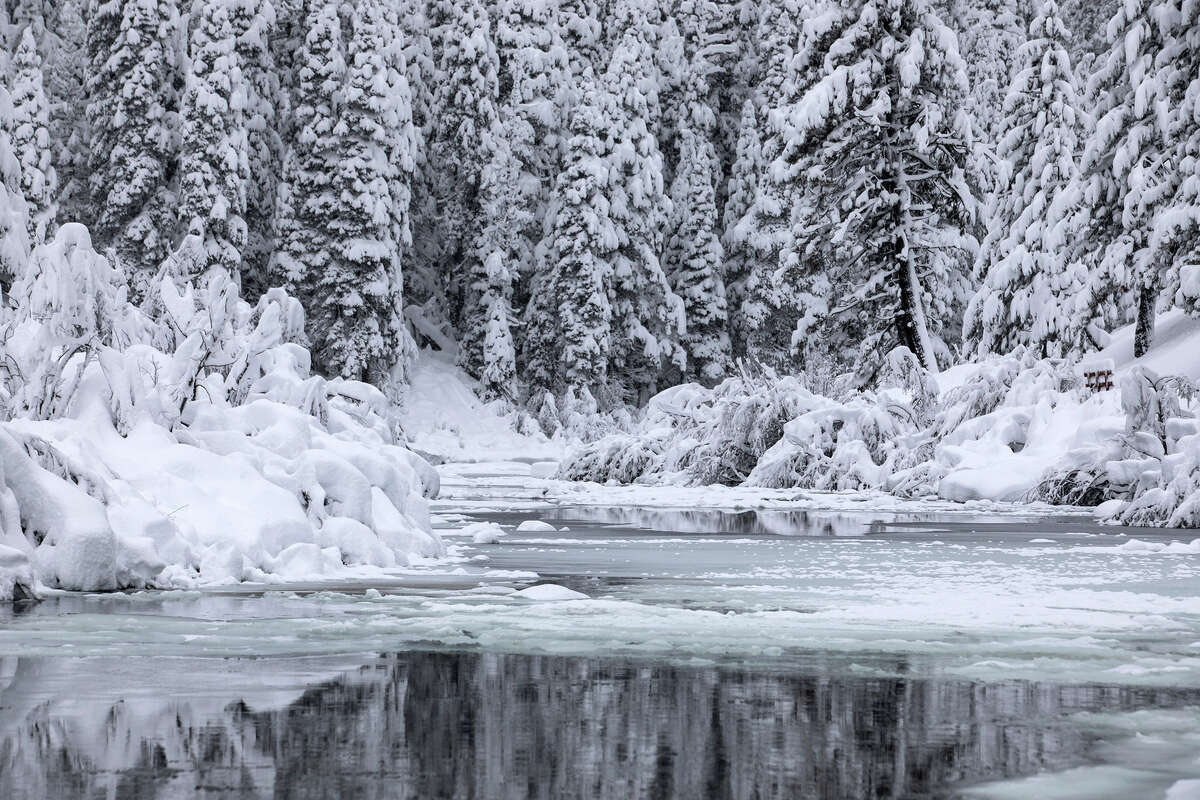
(1014,427)
(1158,472)
(693,435)
(187,441)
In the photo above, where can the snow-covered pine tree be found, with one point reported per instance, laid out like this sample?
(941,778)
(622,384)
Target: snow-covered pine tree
(465,99)
(989,34)
(1175,237)
(694,258)
(1029,286)
(579,30)
(421,281)
(744,176)
(358,310)
(14,214)
(263,109)
(131,98)
(714,33)
(1123,169)
(214,164)
(880,146)
(31,138)
(65,70)
(647,317)
(582,246)
(522,151)
(774,296)
(486,348)
(308,200)
(535,83)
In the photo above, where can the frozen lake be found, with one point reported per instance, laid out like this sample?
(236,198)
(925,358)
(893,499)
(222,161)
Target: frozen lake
(745,653)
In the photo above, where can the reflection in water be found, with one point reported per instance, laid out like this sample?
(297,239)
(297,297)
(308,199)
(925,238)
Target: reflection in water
(714,521)
(465,725)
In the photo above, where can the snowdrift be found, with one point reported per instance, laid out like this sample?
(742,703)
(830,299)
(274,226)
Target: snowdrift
(1010,428)
(185,441)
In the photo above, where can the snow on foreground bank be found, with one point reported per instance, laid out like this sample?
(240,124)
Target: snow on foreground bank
(1011,428)
(185,441)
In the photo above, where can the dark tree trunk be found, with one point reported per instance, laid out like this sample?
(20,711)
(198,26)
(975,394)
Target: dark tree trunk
(1143,335)
(906,326)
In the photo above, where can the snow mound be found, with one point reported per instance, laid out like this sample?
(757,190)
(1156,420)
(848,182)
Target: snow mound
(186,441)
(535,525)
(549,592)
(484,532)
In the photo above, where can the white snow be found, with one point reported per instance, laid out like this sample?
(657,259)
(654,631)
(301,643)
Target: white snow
(443,418)
(125,463)
(549,592)
(1175,350)
(535,525)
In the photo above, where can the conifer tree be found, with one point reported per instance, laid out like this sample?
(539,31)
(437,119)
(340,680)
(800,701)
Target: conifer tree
(14,214)
(1029,286)
(359,292)
(583,241)
(65,73)
(1175,236)
(647,316)
(422,281)
(131,120)
(264,109)
(773,300)
(878,148)
(1123,170)
(466,102)
(214,165)
(308,200)
(534,85)
(744,176)
(694,257)
(31,138)
(487,348)
(990,33)
(579,30)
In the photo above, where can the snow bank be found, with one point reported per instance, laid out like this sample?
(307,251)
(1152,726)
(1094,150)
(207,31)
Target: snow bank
(1010,428)
(186,441)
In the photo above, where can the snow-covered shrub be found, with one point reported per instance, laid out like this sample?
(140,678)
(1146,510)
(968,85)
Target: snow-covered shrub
(575,415)
(1158,472)
(187,442)
(857,444)
(694,435)
(1008,428)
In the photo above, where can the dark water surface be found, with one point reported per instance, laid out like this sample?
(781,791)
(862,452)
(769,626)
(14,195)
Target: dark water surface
(471,725)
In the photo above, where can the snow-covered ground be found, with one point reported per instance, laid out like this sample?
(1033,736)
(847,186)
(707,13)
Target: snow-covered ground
(444,419)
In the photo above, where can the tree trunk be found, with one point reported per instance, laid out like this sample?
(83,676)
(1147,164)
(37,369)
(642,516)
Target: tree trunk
(911,327)
(1143,335)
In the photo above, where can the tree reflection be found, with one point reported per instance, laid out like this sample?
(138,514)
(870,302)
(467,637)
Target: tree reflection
(465,725)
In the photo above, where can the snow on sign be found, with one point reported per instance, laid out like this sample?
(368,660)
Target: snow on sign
(1098,376)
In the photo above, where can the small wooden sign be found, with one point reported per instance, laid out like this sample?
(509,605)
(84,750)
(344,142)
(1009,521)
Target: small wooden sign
(1098,380)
